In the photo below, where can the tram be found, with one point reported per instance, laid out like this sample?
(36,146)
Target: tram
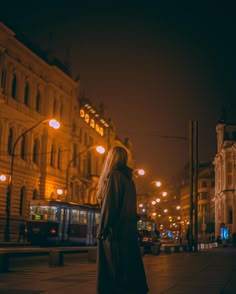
(145,223)
(62,223)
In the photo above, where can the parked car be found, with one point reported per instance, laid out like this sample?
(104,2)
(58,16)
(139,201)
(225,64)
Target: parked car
(148,239)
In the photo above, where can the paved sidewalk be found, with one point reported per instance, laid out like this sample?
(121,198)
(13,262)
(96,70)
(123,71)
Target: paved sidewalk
(207,272)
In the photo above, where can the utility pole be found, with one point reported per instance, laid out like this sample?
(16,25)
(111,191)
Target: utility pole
(193,185)
(196,186)
(191,177)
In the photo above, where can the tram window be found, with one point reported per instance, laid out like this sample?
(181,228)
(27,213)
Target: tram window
(49,213)
(97,218)
(75,216)
(79,216)
(83,217)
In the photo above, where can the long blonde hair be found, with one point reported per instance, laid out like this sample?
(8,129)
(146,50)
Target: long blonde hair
(116,156)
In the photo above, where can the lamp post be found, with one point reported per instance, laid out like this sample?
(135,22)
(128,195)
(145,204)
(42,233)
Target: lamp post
(193,183)
(99,149)
(52,123)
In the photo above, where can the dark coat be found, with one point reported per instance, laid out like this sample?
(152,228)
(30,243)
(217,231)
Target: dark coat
(119,264)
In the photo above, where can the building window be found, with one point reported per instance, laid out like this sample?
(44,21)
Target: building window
(59,159)
(23,146)
(3,80)
(26,97)
(35,194)
(10,140)
(38,102)
(230,215)
(22,200)
(35,157)
(14,87)
(52,155)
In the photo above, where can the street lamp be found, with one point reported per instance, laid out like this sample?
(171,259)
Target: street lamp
(3,178)
(158,183)
(99,149)
(141,171)
(52,123)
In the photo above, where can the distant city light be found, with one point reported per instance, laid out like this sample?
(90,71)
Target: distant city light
(158,183)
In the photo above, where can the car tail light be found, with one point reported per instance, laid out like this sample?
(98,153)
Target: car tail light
(53,231)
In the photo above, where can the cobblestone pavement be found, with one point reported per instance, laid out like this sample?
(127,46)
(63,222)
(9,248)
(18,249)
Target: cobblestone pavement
(206,272)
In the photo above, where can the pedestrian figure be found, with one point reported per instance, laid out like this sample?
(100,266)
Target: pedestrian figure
(21,234)
(120,268)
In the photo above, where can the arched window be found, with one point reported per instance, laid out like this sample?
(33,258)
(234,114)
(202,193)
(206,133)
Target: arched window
(22,200)
(26,97)
(14,87)
(38,102)
(52,155)
(35,194)
(9,142)
(23,148)
(35,156)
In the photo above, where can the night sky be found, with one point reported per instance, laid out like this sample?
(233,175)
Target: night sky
(155,66)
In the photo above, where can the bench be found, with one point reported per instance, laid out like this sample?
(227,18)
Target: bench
(169,248)
(55,255)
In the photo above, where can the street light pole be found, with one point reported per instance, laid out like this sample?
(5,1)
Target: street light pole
(191,151)
(99,149)
(196,187)
(193,178)
(53,123)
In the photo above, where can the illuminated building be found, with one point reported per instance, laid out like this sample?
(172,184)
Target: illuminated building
(225,179)
(33,88)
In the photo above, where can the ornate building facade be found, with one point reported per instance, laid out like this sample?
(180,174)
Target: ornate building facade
(225,178)
(39,162)
(206,179)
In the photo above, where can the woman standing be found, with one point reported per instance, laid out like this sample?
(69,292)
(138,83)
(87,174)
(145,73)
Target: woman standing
(120,267)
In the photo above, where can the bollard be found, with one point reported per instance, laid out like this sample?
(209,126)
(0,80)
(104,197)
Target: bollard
(56,258)
(185,247)
(176,248)
(167,249)
(155,249)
